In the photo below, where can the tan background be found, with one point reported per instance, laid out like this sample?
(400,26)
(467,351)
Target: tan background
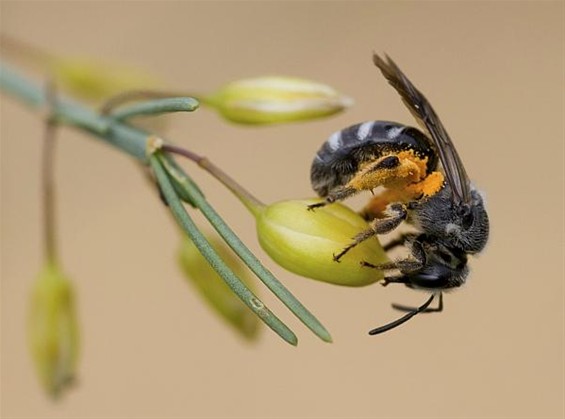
(494,72)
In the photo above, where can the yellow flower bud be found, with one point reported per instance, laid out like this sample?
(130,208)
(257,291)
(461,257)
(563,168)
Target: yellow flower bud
(304,242)
(215,291)
(53,330)
(271,100)
(93,80)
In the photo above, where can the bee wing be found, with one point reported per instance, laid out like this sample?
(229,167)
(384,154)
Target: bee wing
(428,119)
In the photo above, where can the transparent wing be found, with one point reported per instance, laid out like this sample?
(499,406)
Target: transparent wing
(428,119)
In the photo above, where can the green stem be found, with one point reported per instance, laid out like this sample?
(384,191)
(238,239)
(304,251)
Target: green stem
(48,183)
(238,287)
(122,136)
(254,205)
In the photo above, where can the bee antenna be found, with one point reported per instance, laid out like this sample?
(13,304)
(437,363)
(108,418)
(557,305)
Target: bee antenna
(403,319)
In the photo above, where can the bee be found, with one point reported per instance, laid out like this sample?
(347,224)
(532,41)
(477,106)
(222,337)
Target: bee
(424,183)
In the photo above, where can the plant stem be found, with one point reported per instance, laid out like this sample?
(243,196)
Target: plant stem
(48,184)
(122,136)
(254,205)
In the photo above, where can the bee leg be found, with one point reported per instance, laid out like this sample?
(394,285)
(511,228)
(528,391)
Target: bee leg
(393,244)
(399,241)
(437,309)
(397,213)
(387,162)
(338,194)
(408,267)
(397,279)
(382,267)
(404,266)
(368,179)
(421,280)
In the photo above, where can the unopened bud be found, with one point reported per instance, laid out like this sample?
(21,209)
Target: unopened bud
(92,80)
(215,291)
(304,242)
(271,100)
(53,330)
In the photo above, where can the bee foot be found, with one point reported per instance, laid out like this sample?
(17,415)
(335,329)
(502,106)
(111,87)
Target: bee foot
(366,264)
(312,207)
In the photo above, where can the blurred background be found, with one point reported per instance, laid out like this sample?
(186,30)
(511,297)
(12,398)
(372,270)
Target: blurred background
(151,348)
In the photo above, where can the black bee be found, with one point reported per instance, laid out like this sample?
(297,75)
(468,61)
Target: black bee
(444,207)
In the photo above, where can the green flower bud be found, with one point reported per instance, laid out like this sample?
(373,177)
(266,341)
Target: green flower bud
(215,291)
(271,100)
(53,330)
(304,242)
(92,80)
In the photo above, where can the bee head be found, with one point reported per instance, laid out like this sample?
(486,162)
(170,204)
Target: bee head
(468,227)
(463,226)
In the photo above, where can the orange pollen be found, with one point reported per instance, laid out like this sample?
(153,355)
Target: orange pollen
(431,185)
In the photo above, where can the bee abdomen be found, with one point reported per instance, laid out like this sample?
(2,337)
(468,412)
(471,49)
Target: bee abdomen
(345,151)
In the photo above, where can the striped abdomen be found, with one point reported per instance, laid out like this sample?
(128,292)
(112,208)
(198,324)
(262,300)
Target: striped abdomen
(341,156)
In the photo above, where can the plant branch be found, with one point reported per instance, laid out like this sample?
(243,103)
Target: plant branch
(253,204)
(47,178)
(122,136)
(136,143)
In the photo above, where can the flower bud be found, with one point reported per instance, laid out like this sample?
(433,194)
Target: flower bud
(53,330)
(93,80)
(304,242)
(271,100)
(215,291)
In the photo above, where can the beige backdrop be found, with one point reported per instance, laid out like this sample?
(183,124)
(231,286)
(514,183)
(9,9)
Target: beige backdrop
(494,72)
